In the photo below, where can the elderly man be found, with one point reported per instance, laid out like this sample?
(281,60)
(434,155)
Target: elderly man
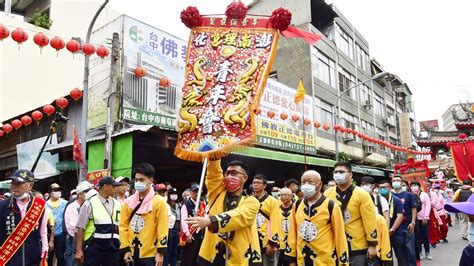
(231,238)
(316,235)
(15,236)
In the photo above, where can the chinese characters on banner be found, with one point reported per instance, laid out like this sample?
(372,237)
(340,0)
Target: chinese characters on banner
(95,176)
(226,69)
(285,134)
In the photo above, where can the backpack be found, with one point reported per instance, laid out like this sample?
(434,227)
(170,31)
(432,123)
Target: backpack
(418,202)
(464,194)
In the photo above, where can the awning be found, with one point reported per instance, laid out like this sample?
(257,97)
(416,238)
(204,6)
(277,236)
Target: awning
(283,156)
(5,184)
(367,171)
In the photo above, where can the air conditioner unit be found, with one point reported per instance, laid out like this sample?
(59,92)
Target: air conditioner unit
(367,104)
(346,137)
(368,150)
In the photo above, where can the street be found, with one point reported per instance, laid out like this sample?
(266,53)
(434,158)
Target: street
(448,253)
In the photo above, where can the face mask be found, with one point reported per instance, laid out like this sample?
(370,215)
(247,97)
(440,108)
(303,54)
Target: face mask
(231,184)
(22,196)
(396,184)
(73,197)
(174,197)
(56,194)
(275,194)
(470,236)
(140,186)
(415,189)
(340,178)
(367,188)
(308,190)
(404,188)
(383,192)
(376,190)
(127,194)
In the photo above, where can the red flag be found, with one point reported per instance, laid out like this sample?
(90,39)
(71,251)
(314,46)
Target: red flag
(77,150)
(463,156)
(294,32)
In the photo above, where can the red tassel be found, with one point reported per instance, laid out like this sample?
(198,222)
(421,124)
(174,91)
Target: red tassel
(293,32)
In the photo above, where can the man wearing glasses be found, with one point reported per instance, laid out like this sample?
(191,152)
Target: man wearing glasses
(232,237)
(358,212)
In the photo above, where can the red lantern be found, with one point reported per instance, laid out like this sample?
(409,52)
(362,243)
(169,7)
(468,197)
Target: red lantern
(283,116)
(1,133)
(270,114)
(257,110)
(41,40)
(306,121)
(317,124)
(360,135)
(140,72)
(19,36)
(88,49)
(337,127)
(16,124)
(295,118)
(49,109)
(343,129)
(37,116)
(326,127)
(4,32)
(355,132)
(62,102)
(164,82)
(73,46)
(7,128)
(26,120)
(349,130)
(57,43)
(102,52)
(76,94)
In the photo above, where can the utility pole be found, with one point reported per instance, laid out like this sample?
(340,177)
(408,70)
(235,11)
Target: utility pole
(111,100)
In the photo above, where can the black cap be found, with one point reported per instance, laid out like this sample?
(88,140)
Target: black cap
(23,175)
(108,180)
(194,187)
(172,191)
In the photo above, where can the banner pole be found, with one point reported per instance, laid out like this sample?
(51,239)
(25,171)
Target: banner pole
(201,183)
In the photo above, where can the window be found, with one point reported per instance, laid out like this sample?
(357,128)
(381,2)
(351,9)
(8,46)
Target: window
(367,127)
(364,94)
(378,104)
(323,112)
(362,58)
(344,42)
(349,121)
(346,81)
(323,68)
(381,135)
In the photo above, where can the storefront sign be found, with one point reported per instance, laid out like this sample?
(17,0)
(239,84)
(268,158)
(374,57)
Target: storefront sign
(95,176)
(164,121)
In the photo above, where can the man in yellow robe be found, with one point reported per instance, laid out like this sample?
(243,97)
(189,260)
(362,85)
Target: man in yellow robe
(316,235)
(231,238)
(284,213)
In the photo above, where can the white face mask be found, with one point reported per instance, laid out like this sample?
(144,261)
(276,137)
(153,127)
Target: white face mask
(275,194)
(20,197)
(308,190)
(173,197)
(340,178)
(376,190)
(56,194)
(127,194)
(367,188)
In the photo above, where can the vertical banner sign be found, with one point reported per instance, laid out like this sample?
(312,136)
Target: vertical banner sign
(227,65)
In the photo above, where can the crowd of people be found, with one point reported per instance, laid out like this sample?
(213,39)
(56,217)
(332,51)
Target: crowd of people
(139,221)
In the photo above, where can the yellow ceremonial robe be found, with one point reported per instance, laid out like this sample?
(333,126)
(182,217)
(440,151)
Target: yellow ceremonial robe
(359,218)
(284,224)
(384,248)
(268,214)
(317,235)
(234,229)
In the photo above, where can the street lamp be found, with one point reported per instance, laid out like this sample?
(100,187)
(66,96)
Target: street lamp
(384,74)
(85,102)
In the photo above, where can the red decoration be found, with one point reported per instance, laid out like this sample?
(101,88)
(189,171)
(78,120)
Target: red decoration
(270,114)
(306,121)
(37,115)
(360,135)
(73,46)
(19,36)
(57,43)
(295,118)
(164,82)
(17,124)
(349,130)
(88,49)
(76,94)
(257,111)
(355,132)
(26,120)
(1,133)
(326,127)
(4,32)
(191,17)
(337,127)
(237,10)
(462,136)
(280,19)
(7,128)
(283,116)
(49,109)
(41,39)
(62,102)
(140,72)
(102,52)
(317,124)
(343,129)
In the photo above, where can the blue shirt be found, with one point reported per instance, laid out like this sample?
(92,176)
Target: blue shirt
(408,203)
(58,214)
(397,205)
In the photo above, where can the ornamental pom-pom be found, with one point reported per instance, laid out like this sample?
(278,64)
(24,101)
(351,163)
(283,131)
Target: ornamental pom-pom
(280,19)
(237,10)
(190,17)
(462,136)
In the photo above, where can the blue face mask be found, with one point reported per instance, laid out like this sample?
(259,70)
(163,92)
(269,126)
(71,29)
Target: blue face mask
(383,192)
(140,186)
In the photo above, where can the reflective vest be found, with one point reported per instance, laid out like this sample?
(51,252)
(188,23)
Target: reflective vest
(102,229)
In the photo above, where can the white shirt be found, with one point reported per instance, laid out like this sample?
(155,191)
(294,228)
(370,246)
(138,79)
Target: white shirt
(383,203)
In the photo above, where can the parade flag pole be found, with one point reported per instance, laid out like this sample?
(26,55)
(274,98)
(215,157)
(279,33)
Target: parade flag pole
(201,183)
(299,97)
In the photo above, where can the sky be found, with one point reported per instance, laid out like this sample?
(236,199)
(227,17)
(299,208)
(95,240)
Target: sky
(429,44)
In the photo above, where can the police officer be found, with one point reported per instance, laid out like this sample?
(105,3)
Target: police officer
(97,235)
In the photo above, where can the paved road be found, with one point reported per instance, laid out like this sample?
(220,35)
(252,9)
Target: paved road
(447,254)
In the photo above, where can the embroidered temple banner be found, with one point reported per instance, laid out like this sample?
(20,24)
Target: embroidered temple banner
(227,65)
